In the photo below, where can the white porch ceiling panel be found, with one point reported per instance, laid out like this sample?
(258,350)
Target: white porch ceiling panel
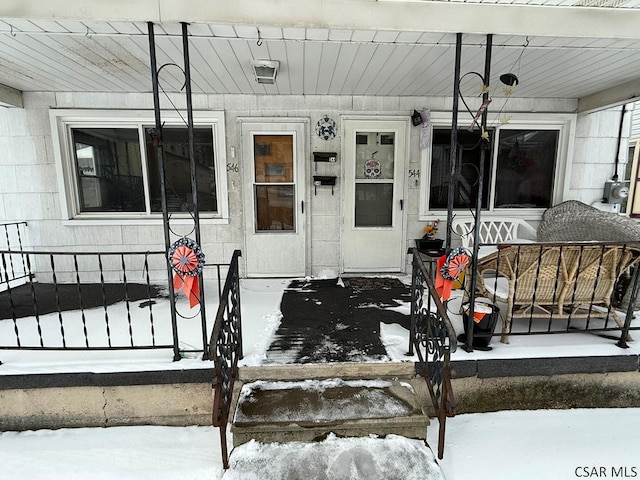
(65,55)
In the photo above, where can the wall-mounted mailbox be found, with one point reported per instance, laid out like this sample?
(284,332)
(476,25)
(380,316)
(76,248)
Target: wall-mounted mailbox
(325,157)
(323,180)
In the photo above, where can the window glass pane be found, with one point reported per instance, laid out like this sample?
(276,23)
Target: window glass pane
(466,191)
(274,207)
(177,172)
(109,169)
(374,205)
(375,155)
(273,156)
(526,165)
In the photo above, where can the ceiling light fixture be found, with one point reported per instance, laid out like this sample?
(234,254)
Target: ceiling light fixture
(265,71)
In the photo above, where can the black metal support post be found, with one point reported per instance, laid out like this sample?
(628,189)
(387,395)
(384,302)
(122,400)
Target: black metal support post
(194,185)
(163,192)
(454,141)
(484,145)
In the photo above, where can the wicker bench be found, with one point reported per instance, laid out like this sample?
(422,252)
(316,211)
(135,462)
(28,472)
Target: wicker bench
(552,281)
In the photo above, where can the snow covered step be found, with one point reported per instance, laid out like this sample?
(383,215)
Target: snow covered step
(309,410)
(390,458)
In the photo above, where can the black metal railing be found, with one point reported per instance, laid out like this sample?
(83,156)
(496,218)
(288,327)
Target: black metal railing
(225,349)
(93,301)
(13,270)
(433,339)
(551,288)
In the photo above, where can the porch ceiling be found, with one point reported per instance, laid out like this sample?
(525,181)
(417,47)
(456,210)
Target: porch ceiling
(113,56)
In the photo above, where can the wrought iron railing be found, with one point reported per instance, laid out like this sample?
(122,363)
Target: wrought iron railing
(13,270)
(225,349)
(433,339)
(93,301)
(552,288)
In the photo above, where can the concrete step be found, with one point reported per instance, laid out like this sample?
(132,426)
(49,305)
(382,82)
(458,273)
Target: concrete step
(309,410)
(344,370)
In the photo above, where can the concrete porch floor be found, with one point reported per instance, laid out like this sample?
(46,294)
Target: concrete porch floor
(380,323)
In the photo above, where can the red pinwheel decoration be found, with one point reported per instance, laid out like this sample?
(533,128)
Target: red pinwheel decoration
(455,264)
(187,260)
(449,269)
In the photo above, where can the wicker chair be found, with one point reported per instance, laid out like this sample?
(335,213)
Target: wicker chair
(552,281)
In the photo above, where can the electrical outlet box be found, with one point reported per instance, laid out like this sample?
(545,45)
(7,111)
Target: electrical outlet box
(615,191)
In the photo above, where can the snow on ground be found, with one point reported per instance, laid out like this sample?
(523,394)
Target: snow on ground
(543,444)
(522,445)
(124,453)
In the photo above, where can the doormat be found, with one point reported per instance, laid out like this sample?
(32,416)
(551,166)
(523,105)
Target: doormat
(337,320)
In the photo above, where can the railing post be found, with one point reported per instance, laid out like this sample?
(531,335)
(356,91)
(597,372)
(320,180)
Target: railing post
(236,269)
(412,327)
(225,349)
(635,286)
(434,339)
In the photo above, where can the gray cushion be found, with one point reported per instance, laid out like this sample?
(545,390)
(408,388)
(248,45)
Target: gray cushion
(574,221)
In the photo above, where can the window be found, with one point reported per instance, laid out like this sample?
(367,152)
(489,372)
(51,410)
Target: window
(466,191)
(524,165)
(110,169)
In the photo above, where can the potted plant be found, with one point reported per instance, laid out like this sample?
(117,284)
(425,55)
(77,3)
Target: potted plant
(428,242)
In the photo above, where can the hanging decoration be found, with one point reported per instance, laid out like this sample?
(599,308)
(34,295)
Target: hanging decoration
(372,168)
(326,128)
(187,261)
(449,269)
(425,129)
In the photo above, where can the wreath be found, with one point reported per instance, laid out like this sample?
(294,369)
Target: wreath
(455,263)
(187,261)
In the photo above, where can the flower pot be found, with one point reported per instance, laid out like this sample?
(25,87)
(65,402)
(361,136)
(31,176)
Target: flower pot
(483,327)
(429,244)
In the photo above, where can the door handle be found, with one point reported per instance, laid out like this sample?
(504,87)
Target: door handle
(302,205)
(401,204)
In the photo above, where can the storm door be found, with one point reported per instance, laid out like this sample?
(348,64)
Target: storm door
(273,163)
(373,232)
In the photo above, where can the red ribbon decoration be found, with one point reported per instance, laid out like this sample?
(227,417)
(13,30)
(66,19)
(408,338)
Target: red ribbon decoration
(443,285)
(184,261)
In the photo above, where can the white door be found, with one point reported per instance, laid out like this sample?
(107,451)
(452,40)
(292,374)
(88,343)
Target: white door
(273,157)
(374,153)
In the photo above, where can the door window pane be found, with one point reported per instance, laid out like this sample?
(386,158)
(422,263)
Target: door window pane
(375,155)
(526,166)
(175,141)
(273,156)
(275,208)
(466,190)
(109,169)
(373,206)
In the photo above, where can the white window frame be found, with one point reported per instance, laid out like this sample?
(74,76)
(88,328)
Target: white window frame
(63,120)
(565,124)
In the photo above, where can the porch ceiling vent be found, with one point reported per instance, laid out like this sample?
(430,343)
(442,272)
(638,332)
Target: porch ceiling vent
(265,71)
